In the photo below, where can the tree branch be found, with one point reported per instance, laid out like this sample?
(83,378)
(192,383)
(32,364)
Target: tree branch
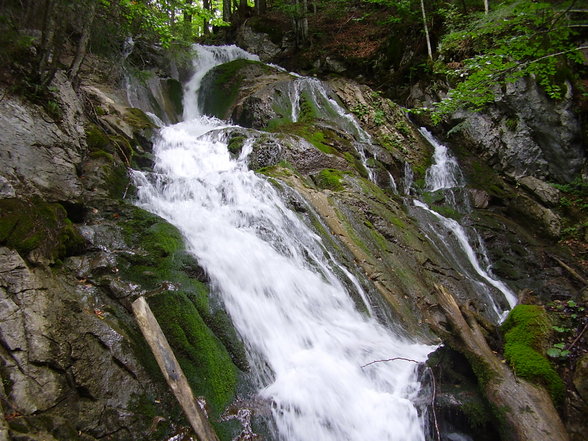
(434,394)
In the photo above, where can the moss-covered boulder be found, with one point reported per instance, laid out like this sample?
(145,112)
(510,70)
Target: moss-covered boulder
(38,230)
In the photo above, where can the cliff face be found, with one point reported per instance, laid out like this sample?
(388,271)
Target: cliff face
(75,252)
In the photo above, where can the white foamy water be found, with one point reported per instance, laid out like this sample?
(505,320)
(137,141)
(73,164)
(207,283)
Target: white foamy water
(444,173)
(306,341)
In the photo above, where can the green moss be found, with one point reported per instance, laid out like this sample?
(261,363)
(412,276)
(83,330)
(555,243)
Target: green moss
(175,93)
(117,180)
(529,325)
(526,333)
(203,341)
(101,154)
(330,179)
(236,144)
(137,119)
(97,139)
(203,358)
(38,225)
(223,84)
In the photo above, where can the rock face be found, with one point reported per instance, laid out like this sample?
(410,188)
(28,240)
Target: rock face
(525,134)
(73,255)
(39,156)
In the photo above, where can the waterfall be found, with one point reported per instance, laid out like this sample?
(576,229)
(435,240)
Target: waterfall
(306,341)
(451,238)
(315,91)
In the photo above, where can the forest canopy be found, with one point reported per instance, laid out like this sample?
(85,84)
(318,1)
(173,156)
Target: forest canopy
(471,45)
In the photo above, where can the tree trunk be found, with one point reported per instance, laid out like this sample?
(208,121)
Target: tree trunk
(525,411)
(300,22)
(83,43)
(486,7)
(227,10)
(47,38)
(206,4)
(260,6)
(429,50)
(188,15)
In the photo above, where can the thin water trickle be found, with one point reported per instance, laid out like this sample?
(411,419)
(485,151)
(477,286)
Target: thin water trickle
(307,342)
(451,237)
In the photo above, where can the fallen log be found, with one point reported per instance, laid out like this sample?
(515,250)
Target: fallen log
(524,410)
(172,371)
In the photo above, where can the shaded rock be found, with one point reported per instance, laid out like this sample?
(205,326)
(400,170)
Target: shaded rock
(535,215)
(525,134)
(546,193)
(480,198)
(257,43)
(581,377)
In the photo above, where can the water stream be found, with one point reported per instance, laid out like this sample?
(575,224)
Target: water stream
(454,240)
(306,340)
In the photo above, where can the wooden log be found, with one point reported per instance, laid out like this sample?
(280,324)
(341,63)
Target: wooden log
(525,410)
(171,370)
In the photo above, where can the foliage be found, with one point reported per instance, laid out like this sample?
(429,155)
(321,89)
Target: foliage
(516,40)
(569,318)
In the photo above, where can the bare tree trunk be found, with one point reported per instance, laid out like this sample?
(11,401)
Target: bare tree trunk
(47,38)
(227,10)
(83,43)
(429,50)
(260,6)
(486,7)
(526,410)
(300,22)
(206,4)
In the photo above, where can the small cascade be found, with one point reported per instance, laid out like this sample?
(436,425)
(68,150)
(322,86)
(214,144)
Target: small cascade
(454,240)
(314,90)
(306,340)
(393,185)
(208,57)
(408,179)
(444,173)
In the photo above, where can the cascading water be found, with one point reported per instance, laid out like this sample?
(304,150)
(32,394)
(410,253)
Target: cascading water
(306,341)
(315,91)
(451,238)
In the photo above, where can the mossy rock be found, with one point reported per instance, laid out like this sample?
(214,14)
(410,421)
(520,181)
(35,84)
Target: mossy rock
(204,341)
(205,361)
(223,83)
(236,142)
(97,139)
(38,226)
(137,119)
(526,332)
(330,179)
